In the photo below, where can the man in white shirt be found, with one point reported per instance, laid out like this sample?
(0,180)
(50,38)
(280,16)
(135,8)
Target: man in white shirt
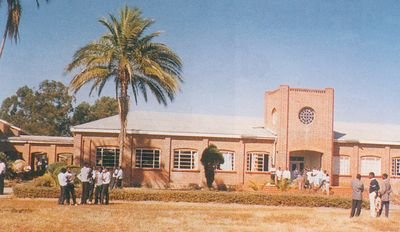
(2,175)
(278,176)
(98,185)
(84,177)
(286,175)
(105,186)
(62,181)
(120,175)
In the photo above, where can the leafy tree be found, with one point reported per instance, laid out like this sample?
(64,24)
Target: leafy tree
(14,10)
(126,55)
(102,108)
(40,112)
(211,159)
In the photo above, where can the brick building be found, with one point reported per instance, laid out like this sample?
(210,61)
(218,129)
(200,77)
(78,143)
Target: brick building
(297,131)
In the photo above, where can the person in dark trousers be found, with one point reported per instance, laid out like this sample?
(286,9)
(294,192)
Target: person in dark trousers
(2,176)
(120,176)
(105,187)
(373,193)
(385,193)
(357,190)
(84,175)
(98,180)
(91,184)
(70,187)
(62,180)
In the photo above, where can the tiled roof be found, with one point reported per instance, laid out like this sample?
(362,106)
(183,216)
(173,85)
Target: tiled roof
(181,124)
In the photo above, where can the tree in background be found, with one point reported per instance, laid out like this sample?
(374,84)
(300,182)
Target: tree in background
(14,10)
(211,159)
(102,108)
(126,55)
(44,111)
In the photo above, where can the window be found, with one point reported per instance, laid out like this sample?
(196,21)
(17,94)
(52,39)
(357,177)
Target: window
(274,117)
(185,159)
(257,162)
(147,158)
(229,161)
(107,156)
(341,165)
(370,164)
(396,167)
(66,158)
(306,115)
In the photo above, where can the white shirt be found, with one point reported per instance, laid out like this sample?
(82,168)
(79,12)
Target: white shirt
(2,168)
(84,174)
(279,174)
(115,173)
(120,174)
(62,179)
(106,177)
(99,178)
(286,174)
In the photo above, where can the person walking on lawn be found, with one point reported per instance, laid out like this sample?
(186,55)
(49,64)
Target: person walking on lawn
(373,192)
(357,189)
(385,193)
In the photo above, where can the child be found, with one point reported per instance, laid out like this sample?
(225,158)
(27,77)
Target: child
(378,203)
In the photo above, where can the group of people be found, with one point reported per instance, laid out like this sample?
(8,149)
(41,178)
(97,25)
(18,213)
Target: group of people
(379,196)
(95,182)
(306,179)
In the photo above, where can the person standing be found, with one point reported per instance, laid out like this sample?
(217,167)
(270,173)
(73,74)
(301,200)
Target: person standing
(120,176)
(105,186)
(373,191)
(98,180)
(113,183)
(70,187)
(84,177)
(62,181)
(278,176)
(357,189)
(273,173)
(385,193)
(327,183)
(91,180)
(2,176)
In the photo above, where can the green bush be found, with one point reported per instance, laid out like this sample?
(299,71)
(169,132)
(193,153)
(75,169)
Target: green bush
(55,168)
(44,181)
(250,198)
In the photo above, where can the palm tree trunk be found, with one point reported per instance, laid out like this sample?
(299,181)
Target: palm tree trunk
(123,103)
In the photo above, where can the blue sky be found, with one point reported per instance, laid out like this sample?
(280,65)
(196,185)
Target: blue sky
(233,51)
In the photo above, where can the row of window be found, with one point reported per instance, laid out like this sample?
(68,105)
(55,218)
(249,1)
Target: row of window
(183,159)
(256,161)
(341,165)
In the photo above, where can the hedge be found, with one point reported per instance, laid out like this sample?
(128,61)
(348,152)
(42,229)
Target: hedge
(250,198)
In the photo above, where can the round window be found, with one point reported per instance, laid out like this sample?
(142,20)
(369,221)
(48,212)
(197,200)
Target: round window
(306,115)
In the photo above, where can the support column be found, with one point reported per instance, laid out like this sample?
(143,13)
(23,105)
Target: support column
(126,161)
(77,149)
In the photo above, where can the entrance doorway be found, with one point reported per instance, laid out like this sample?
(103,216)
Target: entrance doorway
(39,162)
(296,163)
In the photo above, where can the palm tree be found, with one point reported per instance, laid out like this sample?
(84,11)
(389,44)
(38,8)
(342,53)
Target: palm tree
(13,18)
(127,55)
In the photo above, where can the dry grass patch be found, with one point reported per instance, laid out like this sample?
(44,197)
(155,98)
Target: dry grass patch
(46,215)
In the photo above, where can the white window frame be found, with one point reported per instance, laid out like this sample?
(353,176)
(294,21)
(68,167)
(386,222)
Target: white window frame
(231,160)
(367,165)
(101,151)
(341,165)
(396,166)
(139,158)
(253,163)
(193,162)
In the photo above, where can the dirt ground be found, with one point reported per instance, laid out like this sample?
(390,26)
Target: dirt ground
(46,215)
